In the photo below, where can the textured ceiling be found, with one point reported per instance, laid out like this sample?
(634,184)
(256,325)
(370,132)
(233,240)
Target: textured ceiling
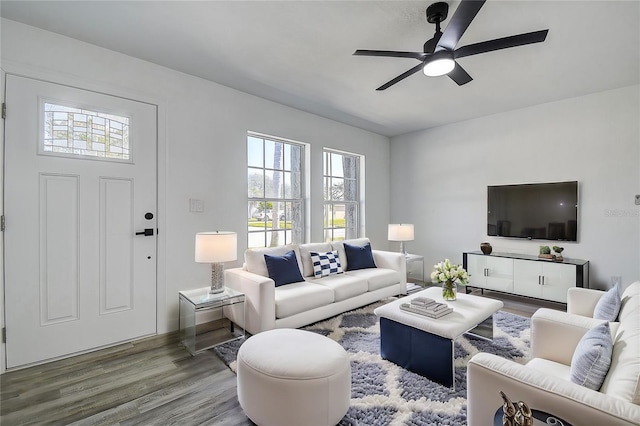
(299,53)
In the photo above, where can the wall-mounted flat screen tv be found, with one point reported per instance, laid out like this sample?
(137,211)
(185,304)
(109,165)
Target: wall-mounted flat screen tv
(541,211)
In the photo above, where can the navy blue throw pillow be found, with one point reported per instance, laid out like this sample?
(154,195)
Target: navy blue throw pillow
(359,257)
(283,269)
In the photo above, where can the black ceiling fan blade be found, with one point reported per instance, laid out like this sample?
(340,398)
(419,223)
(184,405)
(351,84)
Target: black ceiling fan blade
(391,53)
(464,14)
(501,43)
(401,77)
(459,75)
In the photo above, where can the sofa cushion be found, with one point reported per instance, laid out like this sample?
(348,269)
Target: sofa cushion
(344,286)
(592,357)
(325,264)
(283,269)
(305,255)
(295,298)
(623,379)
(377,278)
(339,245)
(608,306)
(359,257)
(254,258)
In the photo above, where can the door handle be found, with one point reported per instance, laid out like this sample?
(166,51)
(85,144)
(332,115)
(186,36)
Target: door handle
(148,232)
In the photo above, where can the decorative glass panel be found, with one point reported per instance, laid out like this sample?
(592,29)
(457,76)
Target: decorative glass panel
(69,131)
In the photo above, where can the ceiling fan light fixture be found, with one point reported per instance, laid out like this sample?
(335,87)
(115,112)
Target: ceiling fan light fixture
(440,63)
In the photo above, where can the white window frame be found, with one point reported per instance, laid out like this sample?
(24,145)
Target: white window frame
(350,230)
(297,217)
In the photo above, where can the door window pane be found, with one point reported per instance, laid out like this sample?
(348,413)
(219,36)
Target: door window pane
(77,132)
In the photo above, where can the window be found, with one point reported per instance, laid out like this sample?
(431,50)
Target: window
(341,173)
(72,132)
(275,192)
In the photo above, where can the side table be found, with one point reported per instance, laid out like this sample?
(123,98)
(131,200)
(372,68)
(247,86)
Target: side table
(415,272)
(415,267)
(219,329)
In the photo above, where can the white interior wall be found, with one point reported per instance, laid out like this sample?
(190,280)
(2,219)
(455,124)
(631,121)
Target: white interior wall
(440,176)
(202,147)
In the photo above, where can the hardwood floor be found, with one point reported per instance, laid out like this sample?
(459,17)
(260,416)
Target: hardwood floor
(153,381)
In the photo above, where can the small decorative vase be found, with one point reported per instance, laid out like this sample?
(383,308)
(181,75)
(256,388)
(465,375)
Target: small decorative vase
(486,248)
(449,291)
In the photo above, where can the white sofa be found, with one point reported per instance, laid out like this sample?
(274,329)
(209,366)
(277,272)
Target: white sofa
(544,382)
(314,299)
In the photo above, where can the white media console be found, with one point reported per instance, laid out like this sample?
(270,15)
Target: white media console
(525,275)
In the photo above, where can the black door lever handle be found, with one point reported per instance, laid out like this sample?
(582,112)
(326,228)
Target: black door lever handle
(148,232)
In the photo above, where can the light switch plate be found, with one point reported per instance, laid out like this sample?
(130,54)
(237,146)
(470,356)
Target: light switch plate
(637,199)
(195,205)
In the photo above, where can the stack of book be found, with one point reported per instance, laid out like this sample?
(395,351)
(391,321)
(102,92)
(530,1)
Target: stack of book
(426,307)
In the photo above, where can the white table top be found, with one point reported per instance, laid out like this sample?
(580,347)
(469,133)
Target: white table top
(468,312)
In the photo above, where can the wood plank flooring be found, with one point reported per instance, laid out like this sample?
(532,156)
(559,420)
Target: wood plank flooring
(153,381)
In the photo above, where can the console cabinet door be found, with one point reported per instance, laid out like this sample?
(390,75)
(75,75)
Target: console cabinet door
(491,273)
(527,278)
(544,280)
(476,267)
(499,274)
(558,278)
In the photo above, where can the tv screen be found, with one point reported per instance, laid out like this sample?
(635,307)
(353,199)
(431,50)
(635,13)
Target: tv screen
(542,211)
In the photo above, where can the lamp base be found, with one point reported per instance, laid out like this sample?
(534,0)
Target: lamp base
(217,278)
(403,250)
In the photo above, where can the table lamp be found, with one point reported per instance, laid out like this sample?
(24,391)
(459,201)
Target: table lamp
(216,248)
(400,232)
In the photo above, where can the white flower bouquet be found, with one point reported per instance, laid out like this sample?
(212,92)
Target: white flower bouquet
(449,274)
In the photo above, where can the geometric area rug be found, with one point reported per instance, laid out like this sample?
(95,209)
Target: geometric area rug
(383,393)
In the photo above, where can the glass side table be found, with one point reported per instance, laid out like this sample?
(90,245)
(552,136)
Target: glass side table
(197,337)
(415,267)
(415,272)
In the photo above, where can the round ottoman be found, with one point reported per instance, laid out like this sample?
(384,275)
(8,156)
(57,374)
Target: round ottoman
(293,377)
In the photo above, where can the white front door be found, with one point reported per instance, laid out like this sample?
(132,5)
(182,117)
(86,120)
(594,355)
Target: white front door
(80,181)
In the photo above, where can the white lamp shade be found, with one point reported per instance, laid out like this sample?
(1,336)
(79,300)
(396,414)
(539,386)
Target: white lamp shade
(400,232)
(216,247)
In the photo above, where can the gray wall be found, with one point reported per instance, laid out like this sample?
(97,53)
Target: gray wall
(440,176)
(202,145)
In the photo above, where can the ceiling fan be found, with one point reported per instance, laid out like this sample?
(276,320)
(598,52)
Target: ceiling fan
(439,54)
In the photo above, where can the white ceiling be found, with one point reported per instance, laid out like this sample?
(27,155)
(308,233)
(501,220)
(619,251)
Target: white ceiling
(299,53)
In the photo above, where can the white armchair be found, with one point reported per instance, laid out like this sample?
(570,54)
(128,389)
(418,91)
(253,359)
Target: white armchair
(544,382)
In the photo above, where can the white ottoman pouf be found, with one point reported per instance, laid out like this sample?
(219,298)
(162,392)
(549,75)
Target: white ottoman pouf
(293,377)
